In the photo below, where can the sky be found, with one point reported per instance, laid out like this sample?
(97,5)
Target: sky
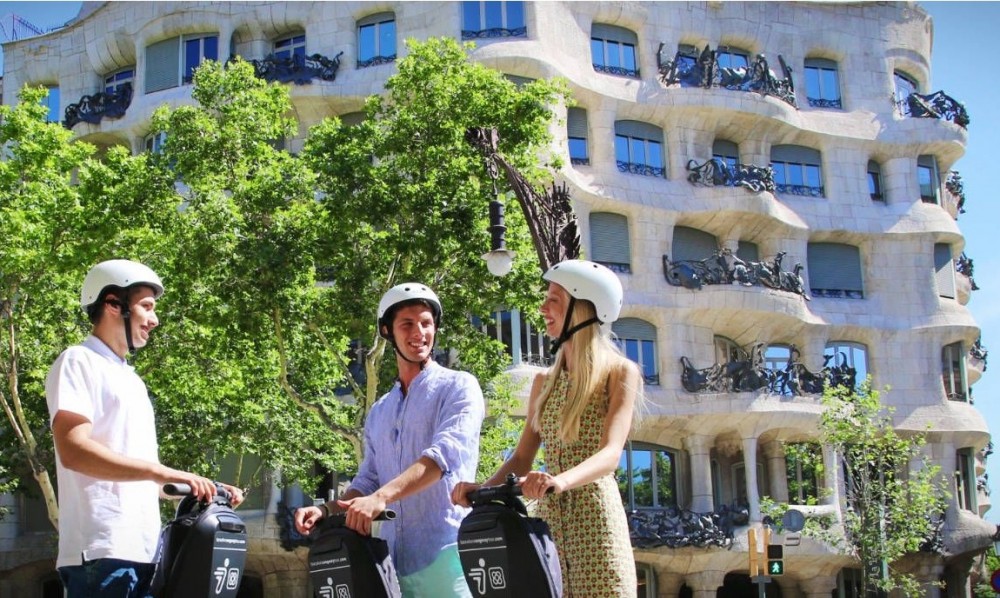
(964,67)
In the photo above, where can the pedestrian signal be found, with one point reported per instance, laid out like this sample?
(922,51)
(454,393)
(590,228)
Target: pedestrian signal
(775,559)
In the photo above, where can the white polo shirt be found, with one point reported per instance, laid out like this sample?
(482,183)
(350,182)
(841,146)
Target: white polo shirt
(99,518)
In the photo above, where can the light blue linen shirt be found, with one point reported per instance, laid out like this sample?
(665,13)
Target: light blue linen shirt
(439,418)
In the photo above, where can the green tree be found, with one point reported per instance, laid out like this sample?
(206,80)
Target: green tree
(406,199)
(892,487)
(54,227)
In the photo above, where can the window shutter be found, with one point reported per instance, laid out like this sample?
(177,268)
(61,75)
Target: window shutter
(795,154)
(352,119)
(639,130)
(820,63)
(576,123)
(634,328)
(163,64)
(518,80)
(613,33)
(692,244)
(944,271)
(726,149)
(834,266)
(609,242)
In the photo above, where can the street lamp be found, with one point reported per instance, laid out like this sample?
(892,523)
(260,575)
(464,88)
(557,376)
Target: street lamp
(499,259)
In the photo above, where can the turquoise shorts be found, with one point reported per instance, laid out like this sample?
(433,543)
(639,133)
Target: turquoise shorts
(443,578)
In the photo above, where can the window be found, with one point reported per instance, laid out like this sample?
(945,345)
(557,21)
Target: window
(875,181)
(692,244)
(639,148)
(727,151)
(953,372)
(376,39)
(290,47)
(609,241)
(797,170)
(903,86)
(846,360)
(646,580)
(613,50)
(741,497)
(576,132)
(171,62)
(352,119)
(637,340)
(493,19)
(927,179)
(115,81)
(52,103)
(647,476)
(522,342)
(965,480)
(822,83)
(732,58)
(154,143)
(944,271)
(849,583)
(726,350)
(835,271)
(776,359)
(804,471)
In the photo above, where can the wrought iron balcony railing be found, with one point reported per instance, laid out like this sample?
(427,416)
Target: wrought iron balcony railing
(957,190)
(750,373)
(376,60)
(495,32)
(806,190)
(719,173)
(300,70)
(676,528)
(724,267)
(93,108)
(703,70)
(937,105)
(979,352)
(643,169)
(963,265)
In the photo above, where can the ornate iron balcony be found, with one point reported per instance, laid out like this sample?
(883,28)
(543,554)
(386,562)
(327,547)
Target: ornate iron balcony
(676,528)
(724,267)
(92,108)
(495,32)
(617,70)
(718,172)
(937,105)
(821,103)
(579,161)
(643,169)
(749,373)
(703,70)
(297,69)
(838,293)
(978,351)
(963,265)
(957,189)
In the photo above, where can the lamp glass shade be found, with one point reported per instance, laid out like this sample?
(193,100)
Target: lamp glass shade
(499,261)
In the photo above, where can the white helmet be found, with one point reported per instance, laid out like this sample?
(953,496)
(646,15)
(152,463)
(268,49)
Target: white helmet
(591,281)
(408,291)
(119,273)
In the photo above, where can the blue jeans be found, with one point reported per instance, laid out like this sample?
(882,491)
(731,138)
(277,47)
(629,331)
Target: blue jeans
(107,578)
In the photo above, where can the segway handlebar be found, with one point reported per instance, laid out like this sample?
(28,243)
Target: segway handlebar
(340,519)
(182,489)
(509,489)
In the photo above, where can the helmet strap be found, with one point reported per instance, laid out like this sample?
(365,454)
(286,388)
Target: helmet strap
(567,332)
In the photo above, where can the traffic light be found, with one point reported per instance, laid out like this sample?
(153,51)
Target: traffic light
(775,559)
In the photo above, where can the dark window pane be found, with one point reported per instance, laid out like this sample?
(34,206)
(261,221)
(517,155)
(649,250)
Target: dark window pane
(366,43)
(211,48)
(621,148)
(597,51)
(494,15)
(515,15)
(470,16)
(577,147)
(387,38)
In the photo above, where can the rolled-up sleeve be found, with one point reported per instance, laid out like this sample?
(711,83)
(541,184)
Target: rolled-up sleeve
(455,443)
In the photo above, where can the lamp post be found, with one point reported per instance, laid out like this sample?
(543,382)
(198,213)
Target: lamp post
(499,259)
(548,215)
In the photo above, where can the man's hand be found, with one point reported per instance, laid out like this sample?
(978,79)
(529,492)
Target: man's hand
(460,493)
(306,518)
(361,511)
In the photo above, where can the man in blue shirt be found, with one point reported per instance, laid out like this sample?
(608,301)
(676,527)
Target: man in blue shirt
(420,439)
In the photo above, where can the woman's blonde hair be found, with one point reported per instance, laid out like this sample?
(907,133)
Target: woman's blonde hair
(594,358)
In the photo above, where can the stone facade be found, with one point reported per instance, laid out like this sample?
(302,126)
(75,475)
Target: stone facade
(727,448)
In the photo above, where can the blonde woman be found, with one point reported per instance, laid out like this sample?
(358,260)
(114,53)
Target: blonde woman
(581,409)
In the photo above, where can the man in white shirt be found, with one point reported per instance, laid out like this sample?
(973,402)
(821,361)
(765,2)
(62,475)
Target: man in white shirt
(103,427)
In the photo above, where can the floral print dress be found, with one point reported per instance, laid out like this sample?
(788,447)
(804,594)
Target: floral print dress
(588,523)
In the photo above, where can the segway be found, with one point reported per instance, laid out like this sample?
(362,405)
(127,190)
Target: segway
(504,552)
(345,564)
(203,550)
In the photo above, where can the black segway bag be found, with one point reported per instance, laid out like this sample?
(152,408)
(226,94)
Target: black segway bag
(345,564)
(202,551)
(504,552)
